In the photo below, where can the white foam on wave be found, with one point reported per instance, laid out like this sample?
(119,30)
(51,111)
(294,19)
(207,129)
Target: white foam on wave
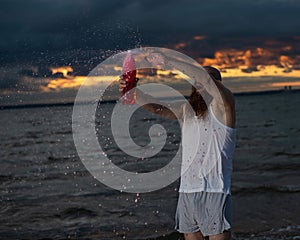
(283,233)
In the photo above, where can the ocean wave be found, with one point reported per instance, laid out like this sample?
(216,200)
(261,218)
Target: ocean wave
(282,166)
(268,188)
(287,154)
(76,212)
(283,233)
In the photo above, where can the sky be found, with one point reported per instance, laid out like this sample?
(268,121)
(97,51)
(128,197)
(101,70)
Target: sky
(48,47)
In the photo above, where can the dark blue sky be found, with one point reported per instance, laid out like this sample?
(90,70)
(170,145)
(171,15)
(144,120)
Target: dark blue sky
(44,25)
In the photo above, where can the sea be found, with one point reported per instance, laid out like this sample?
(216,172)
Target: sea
(47,193)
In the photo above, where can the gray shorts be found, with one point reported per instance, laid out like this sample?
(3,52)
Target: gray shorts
(207,212)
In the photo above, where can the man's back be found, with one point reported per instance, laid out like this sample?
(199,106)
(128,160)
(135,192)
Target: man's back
(227,117)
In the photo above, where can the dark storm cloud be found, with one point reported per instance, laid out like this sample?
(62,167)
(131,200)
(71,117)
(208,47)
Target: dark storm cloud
(57,25)
(8,78)
(45,33)
(68,24)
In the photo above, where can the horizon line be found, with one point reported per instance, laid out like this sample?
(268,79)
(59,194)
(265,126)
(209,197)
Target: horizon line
(37,105)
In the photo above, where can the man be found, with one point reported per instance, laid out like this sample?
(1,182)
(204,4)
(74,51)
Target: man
(204,204)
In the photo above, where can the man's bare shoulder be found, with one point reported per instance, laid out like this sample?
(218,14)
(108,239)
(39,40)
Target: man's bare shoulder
(227,95)
(230,97)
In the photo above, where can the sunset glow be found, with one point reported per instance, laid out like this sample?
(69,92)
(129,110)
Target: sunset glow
(261,71)
(266,61)
(64,70)
(240,71)
(180,45)
(199,38)
(283,84)
(75,82)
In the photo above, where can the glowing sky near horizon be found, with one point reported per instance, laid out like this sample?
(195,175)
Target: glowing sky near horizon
(263,71)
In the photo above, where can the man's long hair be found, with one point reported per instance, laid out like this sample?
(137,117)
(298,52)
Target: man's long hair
(196,100)
(198,104)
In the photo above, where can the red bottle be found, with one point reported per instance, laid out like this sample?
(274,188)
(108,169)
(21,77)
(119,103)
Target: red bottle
(129,76)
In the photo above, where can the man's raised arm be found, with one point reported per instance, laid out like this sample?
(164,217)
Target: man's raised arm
(151,104)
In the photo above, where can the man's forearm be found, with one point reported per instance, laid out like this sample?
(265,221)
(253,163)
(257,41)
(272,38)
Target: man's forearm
(151,104)
(198,75)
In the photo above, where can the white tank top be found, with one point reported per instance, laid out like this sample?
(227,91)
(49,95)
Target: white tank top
(207,150)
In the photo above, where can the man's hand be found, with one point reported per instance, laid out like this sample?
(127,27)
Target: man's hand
(122,84)
(156,59)
(199,87)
